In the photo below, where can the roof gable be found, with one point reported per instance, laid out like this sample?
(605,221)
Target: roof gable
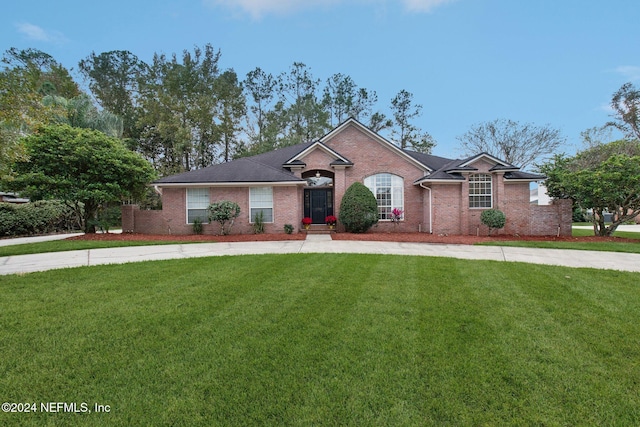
(489,159)
(351,122)
(297,159)
(453,170)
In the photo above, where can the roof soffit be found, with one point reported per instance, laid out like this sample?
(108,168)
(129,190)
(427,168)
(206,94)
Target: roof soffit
(297,159)
(496,162)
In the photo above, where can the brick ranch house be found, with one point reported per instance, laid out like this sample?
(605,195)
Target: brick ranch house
(437,195)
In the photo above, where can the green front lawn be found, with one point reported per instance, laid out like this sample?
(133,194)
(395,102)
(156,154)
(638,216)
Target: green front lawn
(73,245)
(580,232)
(323,339)
(607,246)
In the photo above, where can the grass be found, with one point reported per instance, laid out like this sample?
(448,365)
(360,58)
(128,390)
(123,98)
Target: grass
(73,245)
(587,246)
(323,339)
(580,232)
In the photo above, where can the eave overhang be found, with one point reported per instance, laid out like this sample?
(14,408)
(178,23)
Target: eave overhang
(496,161)
(229,184)
(296,162)
(426,180)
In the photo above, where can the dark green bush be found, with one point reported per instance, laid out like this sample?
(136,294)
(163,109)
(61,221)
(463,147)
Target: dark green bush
(288,228)
(578,214)
(197,225)
(358,209)
(109,216)
(41,217)
(493,218)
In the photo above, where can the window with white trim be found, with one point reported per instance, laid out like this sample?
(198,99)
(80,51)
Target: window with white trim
(480,190)
(261,200)
(197,204)
(389,192)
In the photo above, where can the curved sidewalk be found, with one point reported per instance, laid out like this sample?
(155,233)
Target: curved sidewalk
(318,244)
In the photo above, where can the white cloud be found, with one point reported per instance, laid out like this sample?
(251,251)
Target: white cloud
(259,8)
(35,32)
(606,108)
(630,72)
(423,5)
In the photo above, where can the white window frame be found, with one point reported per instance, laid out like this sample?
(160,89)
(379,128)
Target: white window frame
(383,185)
(261,199)
(197,199)
(480,187)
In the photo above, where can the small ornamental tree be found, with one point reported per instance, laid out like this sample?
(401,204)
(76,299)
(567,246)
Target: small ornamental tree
(494,219)
(603,178)
(84,168)
(224,212)
(358,209)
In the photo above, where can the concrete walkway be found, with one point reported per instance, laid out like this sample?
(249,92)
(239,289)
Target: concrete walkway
(36,239)
(318,244)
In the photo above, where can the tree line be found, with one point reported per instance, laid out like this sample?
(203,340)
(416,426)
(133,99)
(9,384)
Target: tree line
(183,112)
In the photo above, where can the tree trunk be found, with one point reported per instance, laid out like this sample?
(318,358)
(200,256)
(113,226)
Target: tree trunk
(598,223)
(89,218)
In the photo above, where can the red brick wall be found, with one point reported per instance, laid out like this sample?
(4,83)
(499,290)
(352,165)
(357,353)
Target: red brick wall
(517,208)
(446,201)
(172,219)
(128,218)
(371,157)
(551,219)
(450,212)
(452,215)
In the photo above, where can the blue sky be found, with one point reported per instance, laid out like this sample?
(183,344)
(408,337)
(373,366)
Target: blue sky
(553,62)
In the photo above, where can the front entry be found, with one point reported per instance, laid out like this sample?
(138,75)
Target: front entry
(318,204)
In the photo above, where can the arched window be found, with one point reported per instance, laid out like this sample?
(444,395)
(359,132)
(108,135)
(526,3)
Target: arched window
(389,192)
(480,190)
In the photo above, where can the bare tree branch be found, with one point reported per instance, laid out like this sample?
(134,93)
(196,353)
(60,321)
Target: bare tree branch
(515,143)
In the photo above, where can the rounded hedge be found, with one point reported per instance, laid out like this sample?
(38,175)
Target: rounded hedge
(358,209)
(40,217)
(493,218)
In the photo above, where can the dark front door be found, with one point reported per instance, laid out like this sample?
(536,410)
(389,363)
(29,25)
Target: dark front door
(318,204)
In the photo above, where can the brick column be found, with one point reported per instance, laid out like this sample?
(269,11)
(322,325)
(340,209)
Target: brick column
(499,200)
(129,218)
(339,187)
(464,205)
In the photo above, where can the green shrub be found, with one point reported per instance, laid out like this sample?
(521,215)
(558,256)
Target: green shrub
(578,214)
(258,223)
(288,228)
(493,218)
(109,216)
(40,217)
(197,225)
(224,212)
(358,209)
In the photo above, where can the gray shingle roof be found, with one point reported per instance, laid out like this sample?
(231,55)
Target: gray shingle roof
(450,171)
(269,167)
(429,160)
(524,175)
(266,167)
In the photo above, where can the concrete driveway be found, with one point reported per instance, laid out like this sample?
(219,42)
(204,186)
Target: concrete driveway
(318,244)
